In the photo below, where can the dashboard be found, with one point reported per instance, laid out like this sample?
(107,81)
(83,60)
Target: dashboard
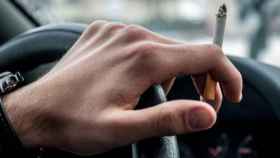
(219,144)
(245,130)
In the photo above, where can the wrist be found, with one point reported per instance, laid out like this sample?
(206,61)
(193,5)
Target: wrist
(22,115)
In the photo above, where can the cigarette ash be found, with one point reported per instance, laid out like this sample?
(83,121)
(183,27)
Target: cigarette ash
(222,11)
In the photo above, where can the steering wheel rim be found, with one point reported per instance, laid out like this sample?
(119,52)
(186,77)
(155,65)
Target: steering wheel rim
(35,52)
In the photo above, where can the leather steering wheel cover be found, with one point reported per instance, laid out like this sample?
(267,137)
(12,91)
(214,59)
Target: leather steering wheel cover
(263,77)
(39,46)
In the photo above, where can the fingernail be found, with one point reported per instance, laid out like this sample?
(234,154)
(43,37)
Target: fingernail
(200,119)
(240,97)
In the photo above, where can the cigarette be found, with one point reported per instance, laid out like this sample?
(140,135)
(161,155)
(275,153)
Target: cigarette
(221,25)
(209,93)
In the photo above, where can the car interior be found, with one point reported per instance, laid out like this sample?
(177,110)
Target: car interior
(245,130)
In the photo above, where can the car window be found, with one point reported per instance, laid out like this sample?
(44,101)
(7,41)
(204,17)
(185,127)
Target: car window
(253,28)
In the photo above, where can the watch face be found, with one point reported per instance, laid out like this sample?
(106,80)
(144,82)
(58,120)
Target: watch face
(9,81)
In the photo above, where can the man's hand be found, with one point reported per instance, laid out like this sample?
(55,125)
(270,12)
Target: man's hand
(86,103)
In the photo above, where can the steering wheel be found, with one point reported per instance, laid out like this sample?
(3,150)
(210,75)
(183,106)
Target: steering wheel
(35,52)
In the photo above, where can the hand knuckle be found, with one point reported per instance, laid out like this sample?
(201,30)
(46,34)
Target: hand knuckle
(147,58)
(93,28)
(96,24)
(146,50)
(135,32)
(112,27)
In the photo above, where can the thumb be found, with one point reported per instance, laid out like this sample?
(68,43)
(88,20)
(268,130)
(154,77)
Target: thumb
(170,118)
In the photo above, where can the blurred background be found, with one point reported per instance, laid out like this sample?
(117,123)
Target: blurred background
(253,28)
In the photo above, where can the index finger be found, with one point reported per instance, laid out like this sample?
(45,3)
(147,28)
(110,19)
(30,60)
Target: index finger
(170,60)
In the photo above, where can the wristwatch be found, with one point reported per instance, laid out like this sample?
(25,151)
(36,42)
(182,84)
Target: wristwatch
(10,144)
(9,82)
